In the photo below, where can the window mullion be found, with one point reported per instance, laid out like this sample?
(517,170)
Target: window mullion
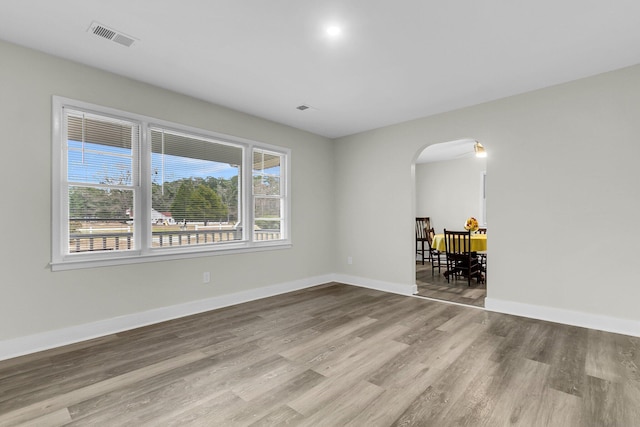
(144,186)
(248,196)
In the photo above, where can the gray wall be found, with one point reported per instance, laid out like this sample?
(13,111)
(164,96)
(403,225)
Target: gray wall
(35,300)
(562,190)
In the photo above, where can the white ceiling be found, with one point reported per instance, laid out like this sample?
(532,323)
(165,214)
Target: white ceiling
(395,60)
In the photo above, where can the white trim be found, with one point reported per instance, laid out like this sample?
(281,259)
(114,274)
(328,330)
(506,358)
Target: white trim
(449,302)
(51,339)
(483,198)
(567,317)
(171,255)
(58,165)
(47,340)
(379,285)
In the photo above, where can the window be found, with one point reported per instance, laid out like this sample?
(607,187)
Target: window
(268,195)
(194,187)
(101,181)
(129,188)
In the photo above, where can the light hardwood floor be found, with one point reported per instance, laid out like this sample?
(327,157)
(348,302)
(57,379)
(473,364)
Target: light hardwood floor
(332,355)
(432,284)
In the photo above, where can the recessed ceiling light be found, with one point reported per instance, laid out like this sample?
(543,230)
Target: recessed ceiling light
(334,31)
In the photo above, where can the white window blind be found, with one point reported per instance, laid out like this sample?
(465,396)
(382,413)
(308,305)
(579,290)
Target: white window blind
(194,187)
(101,181)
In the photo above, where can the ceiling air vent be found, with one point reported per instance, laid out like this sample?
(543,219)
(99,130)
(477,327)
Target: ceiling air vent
(110,34)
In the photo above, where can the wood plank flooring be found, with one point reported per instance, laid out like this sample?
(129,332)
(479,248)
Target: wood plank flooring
(436,286)
(332,355)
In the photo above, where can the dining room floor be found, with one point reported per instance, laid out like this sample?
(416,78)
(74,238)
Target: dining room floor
(435,286)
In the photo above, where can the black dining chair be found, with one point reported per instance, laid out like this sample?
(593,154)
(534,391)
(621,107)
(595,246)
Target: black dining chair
(422,224)
(461,261)
(482,255)
(434,254)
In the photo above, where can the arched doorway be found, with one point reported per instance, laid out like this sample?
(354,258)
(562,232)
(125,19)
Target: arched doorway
(450,186)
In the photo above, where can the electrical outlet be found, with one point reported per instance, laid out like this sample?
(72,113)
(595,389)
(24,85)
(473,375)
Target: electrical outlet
(206,277)
(349,260)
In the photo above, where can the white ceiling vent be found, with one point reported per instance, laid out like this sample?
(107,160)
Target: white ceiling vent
(111,34)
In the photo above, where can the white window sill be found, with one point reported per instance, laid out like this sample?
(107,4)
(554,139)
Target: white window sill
(74,263)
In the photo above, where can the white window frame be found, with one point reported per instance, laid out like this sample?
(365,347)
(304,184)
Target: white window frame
(62,259)
(282,196)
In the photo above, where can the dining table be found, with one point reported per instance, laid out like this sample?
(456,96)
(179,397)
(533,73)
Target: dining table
(478,242)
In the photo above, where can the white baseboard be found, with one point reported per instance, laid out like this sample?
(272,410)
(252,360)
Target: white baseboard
(60,337)
(567,317)
(394,288)
(57,338)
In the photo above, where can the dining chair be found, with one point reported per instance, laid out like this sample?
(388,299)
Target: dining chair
(434,254)
(482,255)
(461,262)
(422,224)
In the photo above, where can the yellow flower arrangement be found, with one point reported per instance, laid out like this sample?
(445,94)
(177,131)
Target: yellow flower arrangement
(471,224)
